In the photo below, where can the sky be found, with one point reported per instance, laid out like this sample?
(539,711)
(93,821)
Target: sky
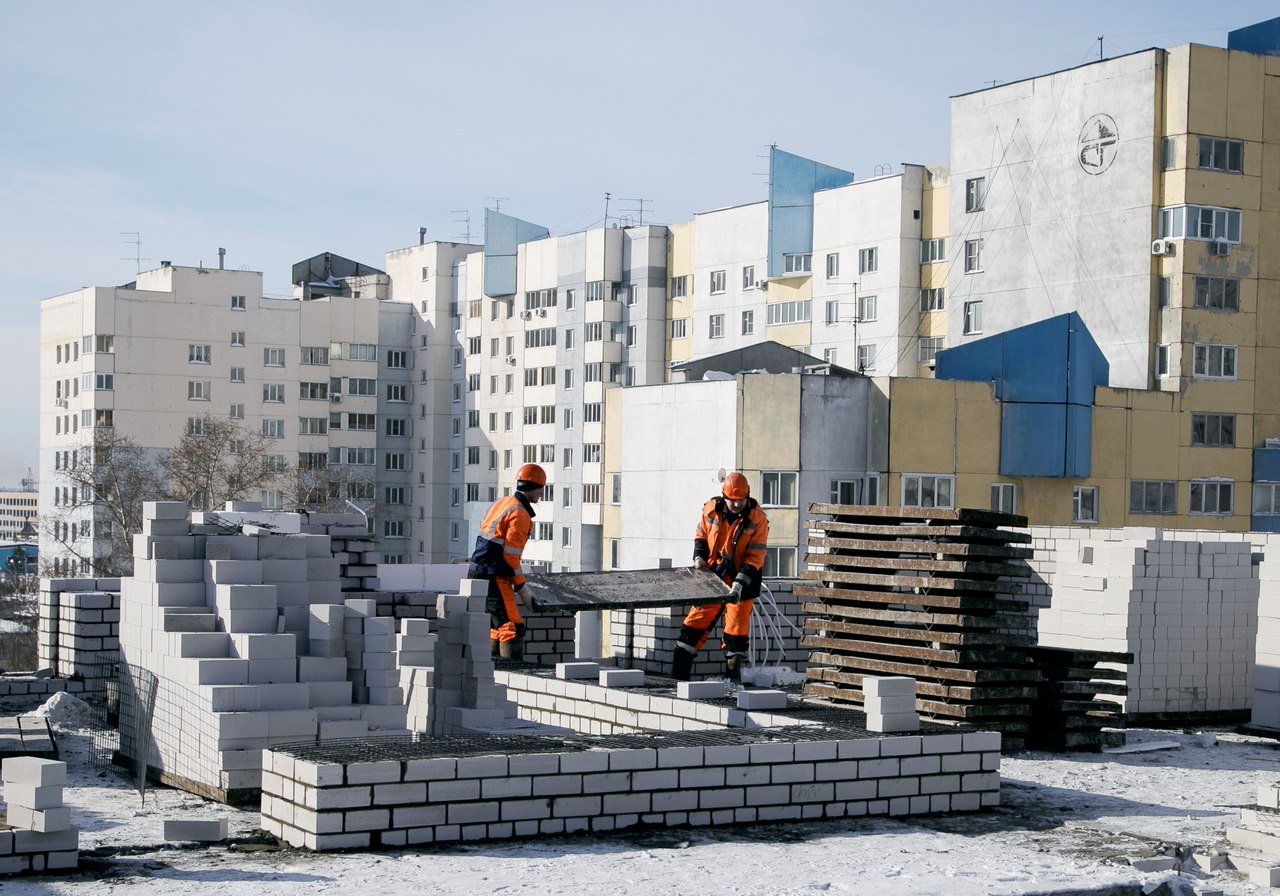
(280,129)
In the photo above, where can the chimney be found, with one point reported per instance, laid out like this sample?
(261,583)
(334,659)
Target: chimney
(222,258)
(422,236)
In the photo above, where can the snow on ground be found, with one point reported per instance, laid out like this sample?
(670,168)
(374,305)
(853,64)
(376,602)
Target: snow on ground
(1067,821)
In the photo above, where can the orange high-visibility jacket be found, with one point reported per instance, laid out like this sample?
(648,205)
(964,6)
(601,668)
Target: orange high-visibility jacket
(741,543)
(500,544)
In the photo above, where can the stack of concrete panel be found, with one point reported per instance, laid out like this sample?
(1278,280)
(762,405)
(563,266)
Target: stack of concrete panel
(1266,674)
(325,798)
(890,703)
(43,838)
(1184,604)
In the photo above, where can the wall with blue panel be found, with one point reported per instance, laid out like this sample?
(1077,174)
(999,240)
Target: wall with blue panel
(502,234)
(1263,38)
(792,182)
(1266,468)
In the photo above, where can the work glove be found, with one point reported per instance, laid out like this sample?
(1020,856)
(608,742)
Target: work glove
(735,592)
(699,563)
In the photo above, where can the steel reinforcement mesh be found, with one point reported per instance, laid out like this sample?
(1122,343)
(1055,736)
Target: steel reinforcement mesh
(123,699)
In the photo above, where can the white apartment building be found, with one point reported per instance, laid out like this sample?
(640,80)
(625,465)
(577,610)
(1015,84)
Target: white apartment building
(18,513)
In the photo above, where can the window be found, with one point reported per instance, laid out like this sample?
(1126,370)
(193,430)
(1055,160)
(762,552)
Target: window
(394,460)
(543,337)
(631,335)
(103,417)
(594,332)
(615,488)
(592,372)
(362,422)
(1218,154)
(1153,496)
(748,323)
(104,382)
(473,491)
(473,345)
(1162,360)
(779,563)
(1212,496)
(273,392)
(237,374)
(975,194)
(1004,497)
(198,390)
(1200,222)
(715,329)
(568,338)
(1218,292)
(591,453)
(273,357)
(591,493)
(832,315)
(473,455)
(717,282)
(789,312)
(104,344)
(397,359)
(856,491)
(568,417)
(314,354)
(927,490)
(829,355)
(237,338)
(973,256)
(595,291)
(566,497)
(866,308)
(679,286)
(591,413)
(1213,430)
(1168,153)
(362,351)
(1214,361)
(866,358)
(313,426)
(457,357)
(933,299)
(778,489)
(833,265)
(397,392)
(273,429)
(507,421)
(973,317)
(358,385)
(1164,290)
(633,294)
(396,426)
(749,276)
(868,260)
(569,297)
(272,499)
(568,377)
(797,262)
(1084,504)
(679,328)
(929,348)
(473,419)
(393,528)
(237,303)
(933,250)
(199,354)
(1266,498)
(473,382)
(335,420)
(197,426)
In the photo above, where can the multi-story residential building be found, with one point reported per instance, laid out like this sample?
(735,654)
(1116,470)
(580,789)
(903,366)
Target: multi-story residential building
(19,514)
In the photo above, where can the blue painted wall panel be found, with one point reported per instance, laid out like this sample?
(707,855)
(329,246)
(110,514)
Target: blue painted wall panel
(1266,464)
(1088,368)
(1035,362)
(977,362)
(502,234)
(1263,38)
(792,182)
(1033,439)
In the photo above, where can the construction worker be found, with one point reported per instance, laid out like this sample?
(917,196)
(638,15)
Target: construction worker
(730,543)
(496,557)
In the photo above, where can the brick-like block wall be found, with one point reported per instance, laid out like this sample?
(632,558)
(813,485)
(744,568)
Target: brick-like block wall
(1266,673)
(323,799)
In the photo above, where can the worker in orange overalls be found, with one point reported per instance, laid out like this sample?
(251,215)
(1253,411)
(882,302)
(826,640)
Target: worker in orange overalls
(496,557)
(729,542)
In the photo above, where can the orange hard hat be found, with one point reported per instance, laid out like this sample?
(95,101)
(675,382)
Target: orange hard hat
(735,486)
(532,473)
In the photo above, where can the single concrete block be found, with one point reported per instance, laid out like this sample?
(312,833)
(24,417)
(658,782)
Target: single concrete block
(621,678)
(886,706)
(33,796)
(33,771)
(1265,875)
(762,700)
(577,671)
(700,690)
(45,821)
(888,686)
(164,510)
(895,723)
(195,829)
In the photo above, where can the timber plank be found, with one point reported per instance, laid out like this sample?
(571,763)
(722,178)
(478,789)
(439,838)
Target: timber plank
(908,633)
(922,582)
(908,546)
(912,617)
(989,518)
(958,567)
(964,534)
(986,605)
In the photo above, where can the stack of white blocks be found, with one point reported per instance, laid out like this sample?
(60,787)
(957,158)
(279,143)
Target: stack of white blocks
(370,649)
(43,838)
(464,697)
(416,651)
(67,607)
(1183,603)
(1266,673)
(890,703)
(1259,830)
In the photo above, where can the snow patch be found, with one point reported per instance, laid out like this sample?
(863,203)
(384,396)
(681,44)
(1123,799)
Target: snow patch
(67,710)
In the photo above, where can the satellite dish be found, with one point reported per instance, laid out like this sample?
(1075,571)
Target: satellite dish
(721,474)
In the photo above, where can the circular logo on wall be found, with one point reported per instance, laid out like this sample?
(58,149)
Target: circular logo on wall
(1099,142)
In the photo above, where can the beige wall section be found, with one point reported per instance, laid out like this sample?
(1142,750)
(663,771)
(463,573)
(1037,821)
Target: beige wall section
(680,264)
(769,417)
(610,513)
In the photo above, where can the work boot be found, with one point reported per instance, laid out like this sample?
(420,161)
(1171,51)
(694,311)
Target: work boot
(681,665)
(733,667)
(495,648)
(512,650)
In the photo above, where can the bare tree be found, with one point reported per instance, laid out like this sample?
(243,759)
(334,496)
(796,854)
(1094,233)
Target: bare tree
(219,460)
(329,488)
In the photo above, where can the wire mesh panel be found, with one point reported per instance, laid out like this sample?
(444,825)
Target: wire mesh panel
(123,700)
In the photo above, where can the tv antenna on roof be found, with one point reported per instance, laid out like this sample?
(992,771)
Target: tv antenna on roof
(136,242)
(497,201)
(465,221)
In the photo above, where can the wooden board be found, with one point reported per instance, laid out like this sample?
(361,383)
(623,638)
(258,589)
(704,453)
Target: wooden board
(925,583)
(949,533)
(970,603)
(957,567)
(624,589)
(988,518)
(937,549)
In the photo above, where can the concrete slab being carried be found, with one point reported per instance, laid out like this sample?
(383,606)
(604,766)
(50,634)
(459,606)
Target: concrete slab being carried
(624,589)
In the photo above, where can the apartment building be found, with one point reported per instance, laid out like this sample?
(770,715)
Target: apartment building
(19,514)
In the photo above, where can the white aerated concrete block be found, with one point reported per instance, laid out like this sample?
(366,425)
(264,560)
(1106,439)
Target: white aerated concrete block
(762,700)
(575,671)
(621,678)
(33,796)
(46,821)
(700,690)
(889,706)
(195,829)
(33,771)
(896,723)
(888,686)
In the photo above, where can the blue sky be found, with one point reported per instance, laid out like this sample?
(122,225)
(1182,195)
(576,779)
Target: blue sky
(284,129)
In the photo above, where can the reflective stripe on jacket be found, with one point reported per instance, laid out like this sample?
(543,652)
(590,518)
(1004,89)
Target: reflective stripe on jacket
(503,533)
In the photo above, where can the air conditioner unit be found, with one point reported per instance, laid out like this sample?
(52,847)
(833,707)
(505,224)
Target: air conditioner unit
(1271,443)
(336,398)
(760,284)
(542,312)
(1219,247)
(525,315)
(1162,247)
(511,359)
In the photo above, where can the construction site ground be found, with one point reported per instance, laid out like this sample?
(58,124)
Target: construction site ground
(1068,823)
